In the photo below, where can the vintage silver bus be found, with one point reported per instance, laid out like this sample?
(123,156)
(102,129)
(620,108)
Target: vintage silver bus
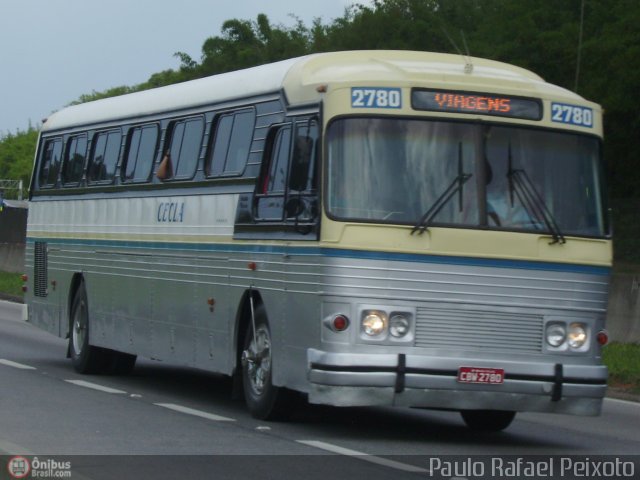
(366,228)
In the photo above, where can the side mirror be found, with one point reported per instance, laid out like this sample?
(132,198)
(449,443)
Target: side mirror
(294,207)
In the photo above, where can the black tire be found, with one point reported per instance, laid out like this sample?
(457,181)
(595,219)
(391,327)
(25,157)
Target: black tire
(85,357)
(264,400)
(487,420)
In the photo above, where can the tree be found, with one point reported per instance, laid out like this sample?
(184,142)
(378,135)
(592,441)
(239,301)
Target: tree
(542,36)
(17,152)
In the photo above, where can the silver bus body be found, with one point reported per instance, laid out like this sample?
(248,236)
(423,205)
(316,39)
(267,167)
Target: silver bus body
(169,268)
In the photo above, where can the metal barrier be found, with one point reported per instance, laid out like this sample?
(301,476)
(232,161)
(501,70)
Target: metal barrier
(13,233)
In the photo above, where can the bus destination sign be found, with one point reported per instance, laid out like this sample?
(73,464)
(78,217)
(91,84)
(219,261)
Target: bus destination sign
(472,102)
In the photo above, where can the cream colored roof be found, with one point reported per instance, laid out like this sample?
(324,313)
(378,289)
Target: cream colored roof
(299,77)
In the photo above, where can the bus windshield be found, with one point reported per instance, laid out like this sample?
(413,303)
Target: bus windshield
(426,172)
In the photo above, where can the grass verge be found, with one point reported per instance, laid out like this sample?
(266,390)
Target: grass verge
(11,284)
(623,361)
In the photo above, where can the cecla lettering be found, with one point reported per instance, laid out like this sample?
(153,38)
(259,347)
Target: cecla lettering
(171,212)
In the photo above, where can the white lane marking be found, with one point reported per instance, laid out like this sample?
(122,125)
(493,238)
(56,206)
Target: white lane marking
(95,386)
(21,366)
(197,413)
(405,467)
(9,448)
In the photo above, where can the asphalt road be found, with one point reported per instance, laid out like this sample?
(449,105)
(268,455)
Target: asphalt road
(173,422)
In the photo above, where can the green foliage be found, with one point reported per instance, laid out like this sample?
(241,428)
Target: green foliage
(11,284)
(623,361)
(244,44)
(112,92)
(16,157)
(542,36)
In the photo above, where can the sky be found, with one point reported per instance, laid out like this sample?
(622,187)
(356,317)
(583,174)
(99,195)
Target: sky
(54,51)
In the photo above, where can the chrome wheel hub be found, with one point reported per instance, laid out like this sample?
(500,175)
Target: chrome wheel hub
(257,360)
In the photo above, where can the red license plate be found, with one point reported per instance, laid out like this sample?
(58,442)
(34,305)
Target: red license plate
(492,376)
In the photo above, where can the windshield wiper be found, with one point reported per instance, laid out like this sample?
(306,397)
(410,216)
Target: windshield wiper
(455,187)
(525,190)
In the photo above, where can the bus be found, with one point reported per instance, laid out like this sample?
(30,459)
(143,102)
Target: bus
(359,228)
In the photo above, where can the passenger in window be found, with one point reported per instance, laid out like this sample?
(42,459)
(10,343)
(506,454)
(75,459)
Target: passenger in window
(165,170)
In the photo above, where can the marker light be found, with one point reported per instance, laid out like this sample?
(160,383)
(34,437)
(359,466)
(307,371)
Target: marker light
(602,337)
(340,323)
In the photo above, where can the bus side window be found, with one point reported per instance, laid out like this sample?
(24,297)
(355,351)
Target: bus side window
(50,163)
(232,136)
(184,145)
(74,160)
(141,150)
(104,156)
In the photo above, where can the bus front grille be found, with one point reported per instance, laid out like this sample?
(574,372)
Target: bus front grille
(478,330)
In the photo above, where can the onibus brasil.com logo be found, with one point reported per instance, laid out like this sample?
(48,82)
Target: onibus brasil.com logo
(21,467)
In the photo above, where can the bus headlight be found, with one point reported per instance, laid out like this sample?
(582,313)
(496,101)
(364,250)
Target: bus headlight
(555,334)
(374,323)
(399,326)
(577,335)
(567,336)
(386,325)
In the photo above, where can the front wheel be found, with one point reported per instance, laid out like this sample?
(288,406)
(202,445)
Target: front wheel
(264,400)
(85,357)
(487,420)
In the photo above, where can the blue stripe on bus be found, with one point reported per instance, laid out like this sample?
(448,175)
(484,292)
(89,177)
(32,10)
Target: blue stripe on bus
(337,253)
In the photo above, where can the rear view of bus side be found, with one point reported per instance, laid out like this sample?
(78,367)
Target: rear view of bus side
(367,228)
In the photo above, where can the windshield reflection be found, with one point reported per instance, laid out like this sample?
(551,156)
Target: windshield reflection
(396,170)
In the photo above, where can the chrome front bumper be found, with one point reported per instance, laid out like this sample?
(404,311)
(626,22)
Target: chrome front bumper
(346,379)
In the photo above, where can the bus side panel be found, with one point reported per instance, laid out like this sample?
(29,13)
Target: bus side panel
(45,307)
(304,310)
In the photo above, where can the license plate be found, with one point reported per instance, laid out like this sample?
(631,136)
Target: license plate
(492,376)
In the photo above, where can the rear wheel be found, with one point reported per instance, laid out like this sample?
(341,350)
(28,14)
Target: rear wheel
(487,420)
(85,357)
(264,400)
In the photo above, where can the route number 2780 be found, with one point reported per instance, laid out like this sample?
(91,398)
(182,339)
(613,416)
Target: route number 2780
(364,97)
(571,114)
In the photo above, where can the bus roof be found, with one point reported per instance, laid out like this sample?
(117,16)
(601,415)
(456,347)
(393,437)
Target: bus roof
(300,77)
